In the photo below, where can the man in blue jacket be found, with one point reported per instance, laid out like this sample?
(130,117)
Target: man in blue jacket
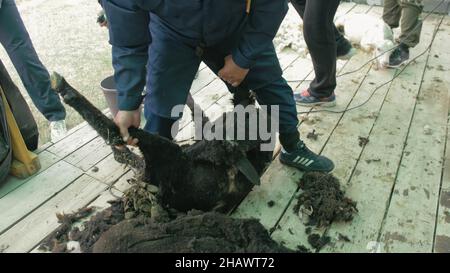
(233,37)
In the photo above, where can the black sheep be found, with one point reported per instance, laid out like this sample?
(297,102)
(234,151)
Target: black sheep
(203,176)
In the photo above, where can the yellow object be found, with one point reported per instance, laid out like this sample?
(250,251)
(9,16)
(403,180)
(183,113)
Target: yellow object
(25,163)
(249,4)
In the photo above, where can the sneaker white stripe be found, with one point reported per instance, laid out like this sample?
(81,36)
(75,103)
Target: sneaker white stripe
(309,163)
(301,160)
(304,161)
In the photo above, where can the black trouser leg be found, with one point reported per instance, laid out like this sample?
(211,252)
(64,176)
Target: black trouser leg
(299,6)
(320,36)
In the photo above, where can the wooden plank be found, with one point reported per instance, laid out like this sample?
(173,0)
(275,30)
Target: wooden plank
(29,232)
(342,144)
(213,112)
(122,184)
(410,221)
(204,99)
(47,160)
(442,234)
(69,133)
(37,191)
(90,154)
(43,147)
(290,229)
(344,8)
(279,183)
(186,118)
(205,77)
(108,170)
(287,57)
(297,72)
(343,140)
(211,93)
(373,178)
(73,142)
(101,202)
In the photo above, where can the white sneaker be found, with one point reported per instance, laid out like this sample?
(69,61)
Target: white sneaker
(58,130)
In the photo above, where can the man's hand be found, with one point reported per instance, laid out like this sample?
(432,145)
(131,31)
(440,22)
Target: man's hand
(101,19)
(125,120)
(232,73)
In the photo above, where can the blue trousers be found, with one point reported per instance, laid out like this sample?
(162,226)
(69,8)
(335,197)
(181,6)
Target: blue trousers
(35,77)
(173,63)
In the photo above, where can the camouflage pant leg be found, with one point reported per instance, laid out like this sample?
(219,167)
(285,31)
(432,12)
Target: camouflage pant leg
(411,23)
(404,13)
(392,13)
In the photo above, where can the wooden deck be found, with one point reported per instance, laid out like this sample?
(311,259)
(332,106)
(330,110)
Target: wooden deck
(400,179)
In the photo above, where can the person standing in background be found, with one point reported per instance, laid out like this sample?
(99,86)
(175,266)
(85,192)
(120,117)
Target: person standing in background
(35,77)
(325,44)
(406,14)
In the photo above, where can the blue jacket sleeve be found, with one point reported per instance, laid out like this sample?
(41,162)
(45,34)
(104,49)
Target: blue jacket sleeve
(262,25)
(130,75)
(130,38)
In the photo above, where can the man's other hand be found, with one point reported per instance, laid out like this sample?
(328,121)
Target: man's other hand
(101,19)
(232,73)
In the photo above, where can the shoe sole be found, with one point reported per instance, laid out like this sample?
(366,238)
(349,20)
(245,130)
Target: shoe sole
(322,104)
(347,56)
(301,168)
(399,65)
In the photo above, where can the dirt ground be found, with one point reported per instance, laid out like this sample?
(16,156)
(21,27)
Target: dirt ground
(68,40)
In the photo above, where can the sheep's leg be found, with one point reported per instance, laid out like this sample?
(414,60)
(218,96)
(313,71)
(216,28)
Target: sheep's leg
(104,126)
(156,149)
